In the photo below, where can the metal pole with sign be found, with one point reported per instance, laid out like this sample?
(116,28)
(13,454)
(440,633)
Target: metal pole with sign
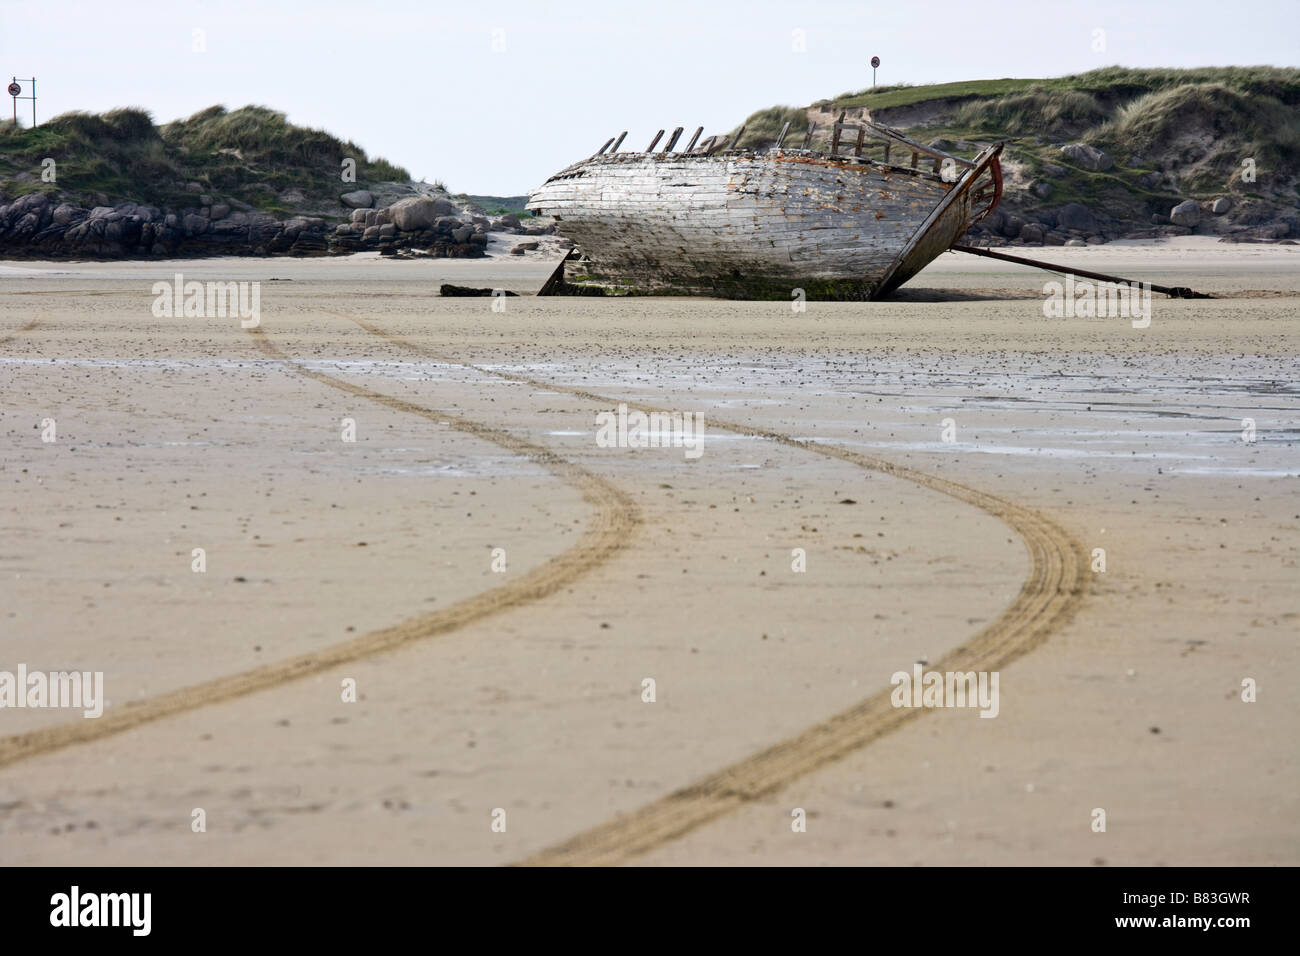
(875,62)
(15,90)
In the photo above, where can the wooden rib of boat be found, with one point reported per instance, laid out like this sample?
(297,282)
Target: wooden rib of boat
(717,220)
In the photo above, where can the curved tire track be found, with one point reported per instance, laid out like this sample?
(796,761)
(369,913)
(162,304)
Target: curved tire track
(1048,598)
(615,517)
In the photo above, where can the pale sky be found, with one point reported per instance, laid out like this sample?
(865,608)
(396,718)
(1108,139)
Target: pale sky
(422,85)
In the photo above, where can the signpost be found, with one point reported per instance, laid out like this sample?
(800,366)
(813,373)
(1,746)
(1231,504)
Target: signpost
(15,90)
(875,62)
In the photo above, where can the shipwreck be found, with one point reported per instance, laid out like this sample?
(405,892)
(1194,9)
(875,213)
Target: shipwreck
(854,219)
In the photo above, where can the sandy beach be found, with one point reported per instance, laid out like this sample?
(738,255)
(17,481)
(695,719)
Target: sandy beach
(498,587)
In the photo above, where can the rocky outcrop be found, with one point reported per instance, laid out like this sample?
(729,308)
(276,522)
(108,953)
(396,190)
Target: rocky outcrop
(37,226)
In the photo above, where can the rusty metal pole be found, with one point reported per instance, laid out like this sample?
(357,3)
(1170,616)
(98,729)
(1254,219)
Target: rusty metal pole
(1174,292)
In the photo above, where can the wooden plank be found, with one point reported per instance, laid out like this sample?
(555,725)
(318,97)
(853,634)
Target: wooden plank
(658,136)
(784,129)
(691,145)
(672,140)
(619,141)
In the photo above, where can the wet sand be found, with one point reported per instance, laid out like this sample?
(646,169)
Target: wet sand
(521,690)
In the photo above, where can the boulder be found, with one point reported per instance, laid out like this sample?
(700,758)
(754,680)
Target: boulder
(219,211)
(67,213)
(1221,205)
(1041,189)
(413,213)
(1032,232)
(1075,242)
(193,224)
(1089,157)
(359,215)
(358,199)
(1053,170)
(1186,213)
(387,230)
(461,236)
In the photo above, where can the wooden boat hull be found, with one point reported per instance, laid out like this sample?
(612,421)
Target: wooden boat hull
(755,225)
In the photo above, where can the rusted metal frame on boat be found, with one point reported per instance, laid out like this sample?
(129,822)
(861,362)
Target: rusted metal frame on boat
(979,195)
(1174,292)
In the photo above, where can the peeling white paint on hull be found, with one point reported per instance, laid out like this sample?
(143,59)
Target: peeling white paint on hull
(755,225)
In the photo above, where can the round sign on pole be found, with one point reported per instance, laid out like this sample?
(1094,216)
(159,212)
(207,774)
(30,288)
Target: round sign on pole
(875,62)
(14,89)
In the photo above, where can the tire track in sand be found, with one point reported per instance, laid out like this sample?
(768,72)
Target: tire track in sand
(1050,595)
(615,518)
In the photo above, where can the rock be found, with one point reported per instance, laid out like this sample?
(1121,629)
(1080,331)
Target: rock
(1011,228)
(1089,157)
(461,235)
(343,229)
(1041,189)
(1075,242)
(193,224)
(387,230)
(517,251)
(1136,162)
(372,232)
(527,246)
(1186,213)
(195,188)
(359,199)
(67,213)
(1032,232)
(1076,216)
(371,218)
(219,211)
(359,215)
(1149,180)
(1053,170)
(1221,205)
(413,213)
